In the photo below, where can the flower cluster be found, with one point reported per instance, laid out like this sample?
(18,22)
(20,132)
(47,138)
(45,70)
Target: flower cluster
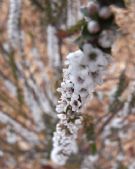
(84,71)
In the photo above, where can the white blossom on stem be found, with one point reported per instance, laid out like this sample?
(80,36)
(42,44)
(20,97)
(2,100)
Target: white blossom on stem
(84,72)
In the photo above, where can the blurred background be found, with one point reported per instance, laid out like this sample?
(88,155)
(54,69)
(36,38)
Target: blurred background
(31,71)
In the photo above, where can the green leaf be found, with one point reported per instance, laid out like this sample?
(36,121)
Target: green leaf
(94,148)
(122,85)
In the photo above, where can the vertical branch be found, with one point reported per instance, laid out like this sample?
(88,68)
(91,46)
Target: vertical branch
(13,67)
(73,12)
(13,27)
(53,47)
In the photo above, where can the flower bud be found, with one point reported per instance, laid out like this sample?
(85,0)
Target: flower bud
(93,27)
(105,13)
(93,8)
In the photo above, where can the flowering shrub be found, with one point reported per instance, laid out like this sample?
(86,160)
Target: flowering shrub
(84,72)
(92,89)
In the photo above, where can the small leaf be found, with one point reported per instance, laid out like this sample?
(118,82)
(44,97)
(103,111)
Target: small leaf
(94,148)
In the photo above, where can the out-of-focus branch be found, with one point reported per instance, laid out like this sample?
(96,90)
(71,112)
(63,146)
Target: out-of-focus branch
(29,136)
(116,104)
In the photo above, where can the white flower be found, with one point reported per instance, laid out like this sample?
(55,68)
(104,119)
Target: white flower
(58,157)
(75,57)
(95,57)
(75,104)
(83,92)
(106,38)
(63,103)
(97,77)
(78,121)
(61,116)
